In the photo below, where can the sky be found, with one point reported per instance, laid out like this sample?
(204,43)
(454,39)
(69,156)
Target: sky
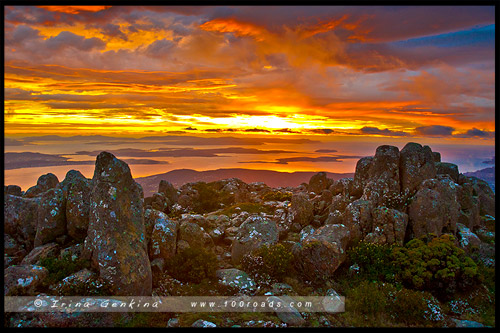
(344,77)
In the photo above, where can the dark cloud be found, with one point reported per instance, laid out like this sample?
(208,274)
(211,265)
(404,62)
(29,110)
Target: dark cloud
(13,142)
(113,30)
(322,131)
(337,158)
(160,48)
(325,151)
(385,132)
(434,130)
(490,161)
(257,130)
(285,130)
(68,39)
(476,133)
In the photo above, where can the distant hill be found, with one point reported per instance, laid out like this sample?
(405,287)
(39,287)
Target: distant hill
(271,178)
(488,175)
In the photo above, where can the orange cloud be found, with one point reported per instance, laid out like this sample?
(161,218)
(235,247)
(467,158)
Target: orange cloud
(237,27)
(74,9)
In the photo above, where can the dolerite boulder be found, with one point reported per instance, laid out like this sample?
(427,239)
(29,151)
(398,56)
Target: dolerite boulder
(50,250)
(44,183)
(383,176)
(319,182)
(76,189)
(388,226)
(318,255)
(358,219)
(236,278)
(344,186)
(302,209)
(434,208)
(23,279)
(195,236)
(485,195)
(20,219)
(163,239)
(51,217)
(252,234)
(443,168)
(13,190)
(416,165)
(361,176)
(467,240)
(469,206)
(116,241)
(168,190)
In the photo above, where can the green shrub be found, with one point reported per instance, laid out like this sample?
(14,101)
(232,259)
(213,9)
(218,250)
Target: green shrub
(94,286)
(369,298)
(61,268)
(437,266)
(374,260)
(268,263)
(412,307)
(208,198)
(193,264)
(250,207)
(277,196)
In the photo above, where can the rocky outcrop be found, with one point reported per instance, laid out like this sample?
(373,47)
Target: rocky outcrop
(195,236)
(236,278)
(20,219)
(450,169)
(76,190)
(23,280)
(50,250)
(434,208)
(169,191)
(319,182)
(51,217)
(163,237)
(13,190)
(44,183)
(358,219)
(388,226)
(254,233)
(318,255)
(416,165)
(116,241)
(302,209)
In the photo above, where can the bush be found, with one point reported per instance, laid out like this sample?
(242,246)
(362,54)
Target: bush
(61,268)
(277,196)
(193,264)
(437,266)
(268,264)
(374,260)
(208,199)
(411,307)
(94,286)
(250,207)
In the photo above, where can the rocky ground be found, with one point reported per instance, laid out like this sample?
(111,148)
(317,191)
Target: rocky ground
(409,241)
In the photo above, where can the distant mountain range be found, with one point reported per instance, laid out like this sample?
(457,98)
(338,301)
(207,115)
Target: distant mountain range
(488,175)
(271,178)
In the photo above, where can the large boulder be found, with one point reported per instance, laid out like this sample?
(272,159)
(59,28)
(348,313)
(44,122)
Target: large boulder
(195,236)
(51,217)
(469,206)
(254,233)
(361,175)
(23,280)
(50,250)
(169,191)
(416,165)
(13,190)
(163,235)
(358,219)
(443,168)
(434,208)
(318,255)
(302,209)
(20,219)
(319,182)
(116,243)
(44,183)
(388,226)
(76,189)
(485,195)
(236,278)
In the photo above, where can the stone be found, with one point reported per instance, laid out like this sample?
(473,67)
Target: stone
(44,183)
(437,156)
(334,217)
(254,233)
(203,323)
(388,226)
(81,277)
(361,176)
(466,323)
(467,240)
(49,250)
(450,169)
(13,190)
(23,279)
(306,231)
(318,256)
(485,195)
(173,322)
(319,182)
(358,219)
(302,209)
(163,236)
(286,313)
(416,165)
(51,217)
(169,191)
(236,278)
(76,190)
(20,219)
(116,243)
(434,208)
(195,236)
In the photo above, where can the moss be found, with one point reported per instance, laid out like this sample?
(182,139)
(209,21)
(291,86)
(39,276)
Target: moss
(193,264)
(268,264)
(61,268)
(277,196)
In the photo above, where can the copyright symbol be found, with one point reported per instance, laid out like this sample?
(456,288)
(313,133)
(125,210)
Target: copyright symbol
(38,303)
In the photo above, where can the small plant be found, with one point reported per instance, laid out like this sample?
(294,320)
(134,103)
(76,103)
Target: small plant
(374,260)
(94,286)
(277,196)
(193,264)
(268,263)
(61,268)
(437,266)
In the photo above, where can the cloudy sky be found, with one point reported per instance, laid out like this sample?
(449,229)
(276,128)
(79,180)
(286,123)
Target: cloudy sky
(354,76)
(370,71)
